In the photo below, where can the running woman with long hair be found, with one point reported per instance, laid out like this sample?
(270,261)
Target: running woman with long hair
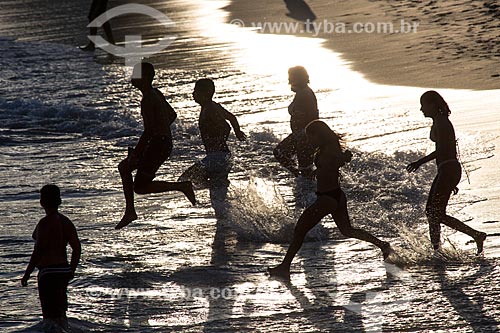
(331,199)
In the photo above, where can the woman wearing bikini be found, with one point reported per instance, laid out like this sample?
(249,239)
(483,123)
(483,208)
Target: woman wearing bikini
(449,171)
(330,197)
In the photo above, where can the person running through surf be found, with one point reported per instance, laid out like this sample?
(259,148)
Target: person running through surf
(214,130)
(449,171)
(97,8)
(295,153)
(153,148)
(51,235)
(331,199)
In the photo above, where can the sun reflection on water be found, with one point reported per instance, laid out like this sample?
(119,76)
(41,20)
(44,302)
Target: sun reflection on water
(272,55)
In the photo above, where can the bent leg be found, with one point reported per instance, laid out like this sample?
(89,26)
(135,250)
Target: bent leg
(446,180)
(195,174)
(456,224)
(309,218)
(128,190)
(156,153)
(305,154)
(285,153)
(460,226)
(144,187)
(341,218)
(435,210)
(443,185)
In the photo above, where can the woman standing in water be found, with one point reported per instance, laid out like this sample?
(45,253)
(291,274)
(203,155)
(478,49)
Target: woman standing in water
(302,110)
(449,171)
(330,197)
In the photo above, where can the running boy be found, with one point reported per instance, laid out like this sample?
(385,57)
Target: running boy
(153,148)
(214,131)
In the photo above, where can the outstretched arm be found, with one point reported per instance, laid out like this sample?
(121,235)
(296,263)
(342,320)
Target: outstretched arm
(444,135)
(234,123)
(415,165)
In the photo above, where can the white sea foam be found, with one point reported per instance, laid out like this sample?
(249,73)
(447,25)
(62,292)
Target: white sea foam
(257,212)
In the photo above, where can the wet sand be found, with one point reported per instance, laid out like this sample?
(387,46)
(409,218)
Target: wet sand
(456,44)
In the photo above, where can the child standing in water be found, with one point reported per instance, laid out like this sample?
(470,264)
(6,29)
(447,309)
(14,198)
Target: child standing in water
(330,197)
(51,235)
(449,171)
(214,131)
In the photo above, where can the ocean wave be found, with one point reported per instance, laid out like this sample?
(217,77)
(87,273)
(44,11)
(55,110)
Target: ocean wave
(63,117)
(48,87)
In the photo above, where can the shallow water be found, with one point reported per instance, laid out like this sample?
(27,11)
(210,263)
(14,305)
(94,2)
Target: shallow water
(67,117)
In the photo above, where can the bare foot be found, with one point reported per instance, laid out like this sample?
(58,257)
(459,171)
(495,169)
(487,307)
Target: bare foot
(188,192)
(126,219)
(88,47)
(280,272)
(479,241)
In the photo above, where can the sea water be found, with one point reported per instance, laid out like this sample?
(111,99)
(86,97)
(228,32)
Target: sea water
(67,117)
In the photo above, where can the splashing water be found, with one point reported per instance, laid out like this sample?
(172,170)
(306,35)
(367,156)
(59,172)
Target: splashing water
(414,249)
(257,212)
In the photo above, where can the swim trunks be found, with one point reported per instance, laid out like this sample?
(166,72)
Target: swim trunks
(52,289)
(156,153)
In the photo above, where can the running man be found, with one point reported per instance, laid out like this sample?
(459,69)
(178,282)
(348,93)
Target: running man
(51,236)
(303,110)
(97,8)
(449,171)
(214,131)
(153,148)
(330,197)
